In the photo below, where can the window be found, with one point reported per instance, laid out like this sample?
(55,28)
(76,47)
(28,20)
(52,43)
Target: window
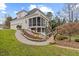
(43,29)
(38,29)
(32,28)
(34,21)
(38,21)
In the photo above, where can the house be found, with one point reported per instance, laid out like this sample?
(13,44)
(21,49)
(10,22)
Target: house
(34,20)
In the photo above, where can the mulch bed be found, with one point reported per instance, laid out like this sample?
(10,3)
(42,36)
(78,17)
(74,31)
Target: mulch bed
(67,43)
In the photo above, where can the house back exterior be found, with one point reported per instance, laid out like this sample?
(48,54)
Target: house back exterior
(34,20)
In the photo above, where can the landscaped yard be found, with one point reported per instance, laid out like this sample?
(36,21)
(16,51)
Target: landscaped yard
(10,46)
(75,37)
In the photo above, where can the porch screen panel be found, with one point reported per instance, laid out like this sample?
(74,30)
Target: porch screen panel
(38,21)
(34,21)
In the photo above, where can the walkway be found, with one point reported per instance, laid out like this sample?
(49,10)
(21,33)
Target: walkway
(24,40)
(67,47)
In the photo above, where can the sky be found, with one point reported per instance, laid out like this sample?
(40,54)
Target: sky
(12,8)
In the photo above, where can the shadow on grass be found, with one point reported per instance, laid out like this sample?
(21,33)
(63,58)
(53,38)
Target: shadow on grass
(4,52)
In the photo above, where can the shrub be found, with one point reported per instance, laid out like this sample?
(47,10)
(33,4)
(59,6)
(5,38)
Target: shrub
(18,26)
(61,37)
(76,40)
(64,37)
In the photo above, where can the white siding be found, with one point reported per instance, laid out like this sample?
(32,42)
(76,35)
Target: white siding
(15,23)
(22,14)
(13,27)
(23,22)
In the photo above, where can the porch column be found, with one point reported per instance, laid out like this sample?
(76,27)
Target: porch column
(41,29)
(36,24)
(40,21)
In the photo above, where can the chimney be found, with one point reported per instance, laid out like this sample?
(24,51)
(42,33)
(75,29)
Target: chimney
(49,15)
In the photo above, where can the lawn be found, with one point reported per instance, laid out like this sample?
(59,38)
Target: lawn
(75,37)
(10,46)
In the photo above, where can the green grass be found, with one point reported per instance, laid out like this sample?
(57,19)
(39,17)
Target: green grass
(10,46)
(75,37)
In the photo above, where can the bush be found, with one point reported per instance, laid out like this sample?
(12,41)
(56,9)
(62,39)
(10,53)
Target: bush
(61,37)
(18,26)
(64,37)
(76,40)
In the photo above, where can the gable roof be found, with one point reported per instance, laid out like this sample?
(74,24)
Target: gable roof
(31,12)
(34,10)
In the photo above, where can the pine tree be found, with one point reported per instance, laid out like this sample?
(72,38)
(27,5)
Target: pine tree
(7,22)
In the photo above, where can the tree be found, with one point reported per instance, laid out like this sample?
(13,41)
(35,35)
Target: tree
(53,24)
(63,21)
(69,12)
(76,20)
(58,21)
(49,28)
(68,29)
(7,22)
